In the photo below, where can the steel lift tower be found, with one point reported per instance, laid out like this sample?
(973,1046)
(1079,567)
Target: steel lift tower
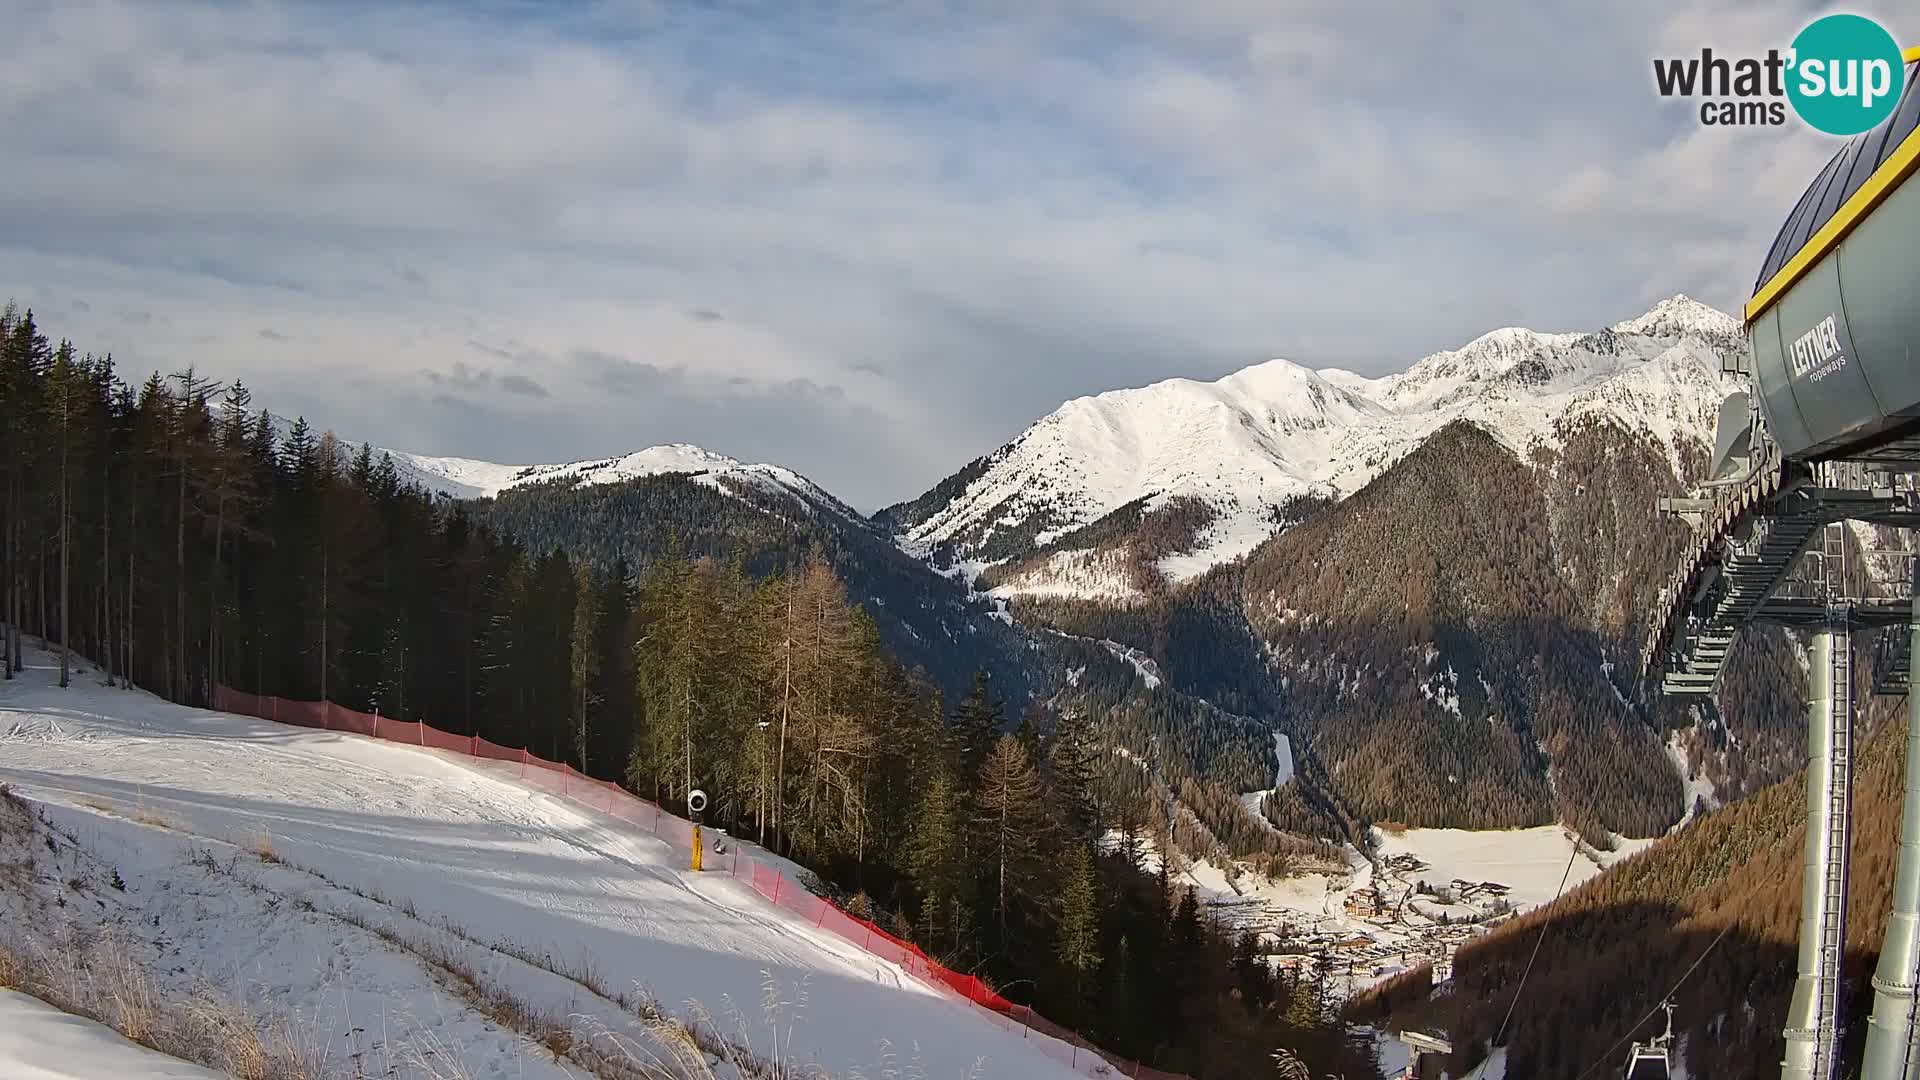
(1829,434)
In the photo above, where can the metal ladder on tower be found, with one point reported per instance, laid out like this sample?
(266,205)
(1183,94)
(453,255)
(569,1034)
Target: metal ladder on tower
(1834,887)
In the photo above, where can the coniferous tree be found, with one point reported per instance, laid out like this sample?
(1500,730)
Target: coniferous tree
(585,655)
(934,857)
(1006,826)
(976,727)
(1078,933)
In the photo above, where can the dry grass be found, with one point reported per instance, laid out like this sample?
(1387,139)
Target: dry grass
(16,817)
(98,977)
(12,971)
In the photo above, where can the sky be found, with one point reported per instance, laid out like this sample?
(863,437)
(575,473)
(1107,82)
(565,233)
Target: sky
(870,241)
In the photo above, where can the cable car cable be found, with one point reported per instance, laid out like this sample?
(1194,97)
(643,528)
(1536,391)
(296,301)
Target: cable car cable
(1668,996)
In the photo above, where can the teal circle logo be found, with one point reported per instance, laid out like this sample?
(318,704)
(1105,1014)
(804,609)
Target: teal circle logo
(1845,74)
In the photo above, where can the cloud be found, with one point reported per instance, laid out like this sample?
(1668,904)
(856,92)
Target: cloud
(461,377)
(924,228)
(525,387)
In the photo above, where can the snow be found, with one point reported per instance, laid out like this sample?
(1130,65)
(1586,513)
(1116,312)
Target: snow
(1698,786)
(467,478)
(1074,575)
(1227,539)
(1527,861)
(1394,1055)
(455,846)
(1143,664)
(39,1042)
(1283,753)
(1246,442)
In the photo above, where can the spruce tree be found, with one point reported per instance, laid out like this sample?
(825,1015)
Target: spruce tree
(933,853)
(1072,773)
(976,727)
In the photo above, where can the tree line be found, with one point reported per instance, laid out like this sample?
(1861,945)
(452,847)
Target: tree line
(181,538)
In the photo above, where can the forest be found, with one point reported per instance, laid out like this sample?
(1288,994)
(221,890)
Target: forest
(174,534)
(1710,916)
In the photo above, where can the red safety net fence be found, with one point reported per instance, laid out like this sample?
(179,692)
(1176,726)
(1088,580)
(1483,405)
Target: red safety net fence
(765,877)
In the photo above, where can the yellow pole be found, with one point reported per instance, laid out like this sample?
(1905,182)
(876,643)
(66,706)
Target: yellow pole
(696,848)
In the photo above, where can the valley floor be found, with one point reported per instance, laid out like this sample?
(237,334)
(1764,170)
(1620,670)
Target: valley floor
(1360,947)
(361,890)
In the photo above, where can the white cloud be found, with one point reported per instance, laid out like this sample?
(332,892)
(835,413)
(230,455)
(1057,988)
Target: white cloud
(926,229)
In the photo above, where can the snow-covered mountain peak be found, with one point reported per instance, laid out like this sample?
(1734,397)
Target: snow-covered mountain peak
(1244,445)
(467,478)
(1681,316)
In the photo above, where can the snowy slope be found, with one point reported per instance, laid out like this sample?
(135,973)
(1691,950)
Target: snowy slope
(39,1042)
(456,846)
(467,478)
(471,478)
(1248,441)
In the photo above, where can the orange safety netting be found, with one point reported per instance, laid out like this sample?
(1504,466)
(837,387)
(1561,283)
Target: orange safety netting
(765,879)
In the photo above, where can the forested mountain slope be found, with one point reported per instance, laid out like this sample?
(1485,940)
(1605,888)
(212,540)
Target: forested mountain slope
(928,620)
(1452,643)
(1613,946)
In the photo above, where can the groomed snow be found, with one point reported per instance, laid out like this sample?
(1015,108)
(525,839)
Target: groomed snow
(464,847)
(39,1042)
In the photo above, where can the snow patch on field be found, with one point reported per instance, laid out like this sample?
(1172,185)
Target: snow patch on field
(1530,862)
(39,1042)
(1227,539)
(1079,574)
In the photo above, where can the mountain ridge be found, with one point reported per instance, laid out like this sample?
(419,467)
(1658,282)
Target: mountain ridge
(1244,444)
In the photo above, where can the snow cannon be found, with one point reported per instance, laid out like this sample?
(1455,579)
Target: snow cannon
(1832,321)
(696,802)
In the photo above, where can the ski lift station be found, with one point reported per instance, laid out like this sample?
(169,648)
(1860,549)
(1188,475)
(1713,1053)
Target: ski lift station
(1829,434)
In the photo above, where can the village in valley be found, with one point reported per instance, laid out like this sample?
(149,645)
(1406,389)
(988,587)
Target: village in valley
(1415,899)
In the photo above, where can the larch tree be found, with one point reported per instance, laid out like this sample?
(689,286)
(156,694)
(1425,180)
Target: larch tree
(1006,824)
